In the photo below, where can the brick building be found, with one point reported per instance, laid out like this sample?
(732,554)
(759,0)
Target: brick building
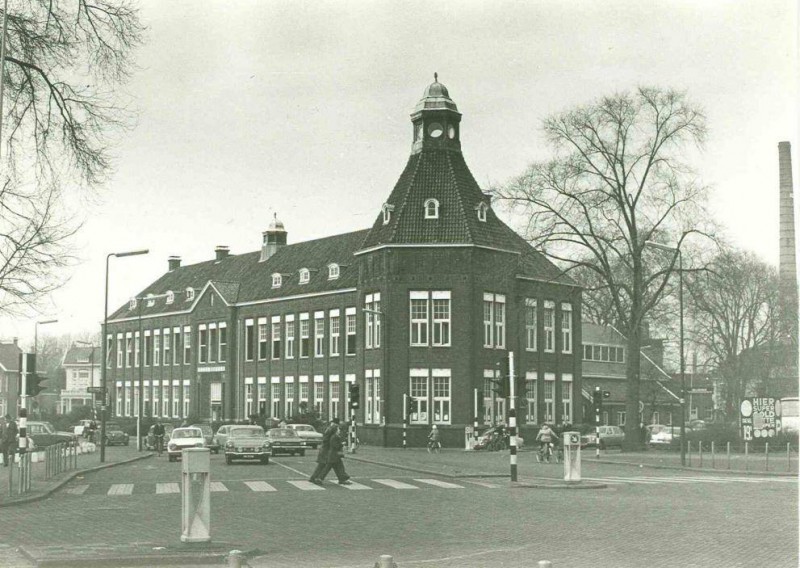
(9,377)
(426,302)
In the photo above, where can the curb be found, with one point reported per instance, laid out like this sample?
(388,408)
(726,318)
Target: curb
(59,484)
(698,469)
(217,556)
(425,471)
(580,485)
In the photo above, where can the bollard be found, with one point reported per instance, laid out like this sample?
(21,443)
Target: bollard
(235,558)
(11,477)
(766,456)
(700,451)
(788,457)
(728,450)
(196,495)
(713,457)
(746,453)
(689,453)
(545,564)
(385,561)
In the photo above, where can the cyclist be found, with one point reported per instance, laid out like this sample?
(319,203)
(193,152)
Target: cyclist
(158,436)
(545,438)
(433,439)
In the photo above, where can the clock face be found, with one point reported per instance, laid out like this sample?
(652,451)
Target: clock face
(435,130)
(451,132)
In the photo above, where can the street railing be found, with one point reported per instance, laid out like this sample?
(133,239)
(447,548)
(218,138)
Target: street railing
(57,458)
(782,459)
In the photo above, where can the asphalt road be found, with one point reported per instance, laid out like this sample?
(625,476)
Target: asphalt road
(643,517)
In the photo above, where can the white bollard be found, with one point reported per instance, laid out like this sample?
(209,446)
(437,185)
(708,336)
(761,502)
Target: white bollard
(572,456)
(385,561)
(545,564)
(235,558)
(196,495)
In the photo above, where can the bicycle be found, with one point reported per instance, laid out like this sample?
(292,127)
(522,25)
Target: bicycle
(434,446)
(158,442)
(499,442)
(546,453)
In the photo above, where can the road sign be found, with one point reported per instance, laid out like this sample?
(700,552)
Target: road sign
(701,390)
(94,390)
(761,417)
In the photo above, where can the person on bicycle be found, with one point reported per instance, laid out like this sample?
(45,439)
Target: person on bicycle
(433,439)
(545,438)
(158,436)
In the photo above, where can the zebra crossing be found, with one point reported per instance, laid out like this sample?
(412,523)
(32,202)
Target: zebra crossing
(687,480)
(271,486)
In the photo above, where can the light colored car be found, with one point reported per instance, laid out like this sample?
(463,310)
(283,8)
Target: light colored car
(308,433)
(183,438)
(246,443)
(286,441)
(666,437)
(609,436)
(221,435)
(208,434)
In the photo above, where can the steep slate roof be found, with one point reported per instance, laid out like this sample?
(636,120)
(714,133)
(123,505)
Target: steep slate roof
(242,278)
(81,355)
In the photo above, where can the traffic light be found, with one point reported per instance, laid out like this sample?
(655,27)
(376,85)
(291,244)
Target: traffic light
(34,384)
(598,396)
(500,387)
(606,394)
(27,368)
(355,395)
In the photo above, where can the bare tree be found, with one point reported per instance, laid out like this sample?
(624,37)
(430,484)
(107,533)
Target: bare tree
(619,178)
(733,309)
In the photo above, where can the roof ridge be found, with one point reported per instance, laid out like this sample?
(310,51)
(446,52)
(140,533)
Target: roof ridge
(408,187)
(460,197)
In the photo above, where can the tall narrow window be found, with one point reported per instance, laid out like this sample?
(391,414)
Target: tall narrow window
(441,319)
(431,209)
(129,350)
(335,332)
(249,409)
(549,326)
(499,321)
(276,398)
(377,417)
(319,334)
(418,389)
(305,336)
(109,346)
(488,320)
(187,345)
(566,328)
(167,347)
(212,341)
(368,411)
(319,394)
(223,342)
(441,396)
(120,399)
(249,339)
(137,349)
(549,397)
(119,351)
(164,398)
(530,396)
(369,318)
(333,397)
(621,418)
(176,400)
(263,396)
(303,394)
(530,324)
(350,322)
(376,305)
(290,336)
(290,393)
(176,346)
(202,347)
(418,307)
(276,337)
(566,398)
(262,339)
(127,399)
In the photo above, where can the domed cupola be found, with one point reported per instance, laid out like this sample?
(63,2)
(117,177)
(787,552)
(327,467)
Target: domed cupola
(273,238)
(436,120)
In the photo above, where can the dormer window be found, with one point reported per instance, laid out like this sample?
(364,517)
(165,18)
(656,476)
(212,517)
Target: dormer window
(132,304)
(170,296)
(482,208)
(387,213)
(151,301)
(431,209)
(305,276)
(276,280)
(333,271)
(189,294)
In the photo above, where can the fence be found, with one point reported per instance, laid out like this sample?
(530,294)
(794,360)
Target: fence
(57,459)
(748,459)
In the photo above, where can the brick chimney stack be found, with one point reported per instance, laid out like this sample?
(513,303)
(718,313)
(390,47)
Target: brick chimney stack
(221,252)
(173,262)
(787,267)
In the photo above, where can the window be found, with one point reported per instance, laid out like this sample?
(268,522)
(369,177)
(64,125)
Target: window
(333,397)
(566,398)
(387,212)
(127,399)
(132,304)
(151,301)
(441,319)
(262,339)
(176,345)
(156,393)
(335,332)
(549,327)
(319,394)
(431,209)
(212,340)
(202,335)
(549,397)
(187,345)
(368,387)
(350,323)
(109,347)
(262,396)
(603,353)
(290,336)
(494,320)
(319,334)
(566,328)
(372,396)
(289,402)
(305,336)
(276,397)
(223,342)
(418,307)
(167,346)
(156,348)
(333,271)
(488,375)
(248,397)
(276,337)
(482,208)
(418,389)
(621,418)
(530,324)
(120,399)
(441,396)
(189,294)
(186,398)
(305,276)
(372,316)
(655,418)
(129,350)
(304,391)
(170,297)
(530,396)
(164,398)
(136,348)
(276,280)
(119,351)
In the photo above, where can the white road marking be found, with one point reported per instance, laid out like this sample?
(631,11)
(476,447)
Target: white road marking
(77,490)
(305,485)
(217,486)
(304,474)
(481,483)
(442,484)
(121,489)
(259,486)
(395,484)
(167,488)
(355,486)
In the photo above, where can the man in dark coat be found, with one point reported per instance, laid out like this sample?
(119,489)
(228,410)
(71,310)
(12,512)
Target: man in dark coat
(9,440)
(328,456)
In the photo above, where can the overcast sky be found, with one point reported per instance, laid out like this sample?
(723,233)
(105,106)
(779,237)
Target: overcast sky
(249,108)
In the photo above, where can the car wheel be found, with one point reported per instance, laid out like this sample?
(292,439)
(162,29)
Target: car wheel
(265,460)
(302,453)
(228,460)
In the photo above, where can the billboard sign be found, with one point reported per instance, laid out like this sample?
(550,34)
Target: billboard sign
(761,417)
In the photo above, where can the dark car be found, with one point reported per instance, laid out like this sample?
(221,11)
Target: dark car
(495,438)
(286,441)
(43,434)
(116,436)
(208,435)
(246,443)
(150,440)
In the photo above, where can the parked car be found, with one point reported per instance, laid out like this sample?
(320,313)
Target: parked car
(183,438)
(43,434)
(485,439)
(116,436)
(308,433)
(150,439)
(208,434)
(666,437)
(221,435)
(609,436)
(246,443)
(286,441)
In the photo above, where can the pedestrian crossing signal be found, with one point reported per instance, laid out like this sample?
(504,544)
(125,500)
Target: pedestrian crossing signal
(355,395)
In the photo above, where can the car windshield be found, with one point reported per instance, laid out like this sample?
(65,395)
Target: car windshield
(304,428)
(187,433)
(205,428)
(47,428)
(282,433)
(255,432)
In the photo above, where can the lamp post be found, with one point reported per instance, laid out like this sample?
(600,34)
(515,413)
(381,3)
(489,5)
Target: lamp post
(677,251)
(36,350)
(104,363)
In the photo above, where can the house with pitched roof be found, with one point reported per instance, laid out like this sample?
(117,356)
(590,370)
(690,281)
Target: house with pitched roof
(425,304)
(81,366)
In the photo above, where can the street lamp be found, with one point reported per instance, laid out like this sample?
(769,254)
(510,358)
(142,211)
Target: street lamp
(36,333)
(680,309)
(104,362)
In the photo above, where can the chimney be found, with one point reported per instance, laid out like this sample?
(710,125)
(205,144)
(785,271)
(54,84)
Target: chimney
(174,262)
(221,252)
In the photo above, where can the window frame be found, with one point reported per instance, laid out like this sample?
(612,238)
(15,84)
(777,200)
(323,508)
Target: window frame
(431,208)
(441,326)
(419,324)
(335,325)
(566,327)
(549,330)
(531,320)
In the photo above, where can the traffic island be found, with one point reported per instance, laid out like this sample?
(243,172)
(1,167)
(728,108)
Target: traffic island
(555,484)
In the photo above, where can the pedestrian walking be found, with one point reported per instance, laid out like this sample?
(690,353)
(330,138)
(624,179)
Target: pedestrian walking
(322,455)
(9,440)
